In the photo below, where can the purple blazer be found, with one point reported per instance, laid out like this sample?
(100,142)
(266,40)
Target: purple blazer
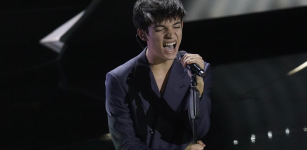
(140,118)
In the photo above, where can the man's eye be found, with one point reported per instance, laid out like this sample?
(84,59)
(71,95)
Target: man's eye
(177,27)
(159,29)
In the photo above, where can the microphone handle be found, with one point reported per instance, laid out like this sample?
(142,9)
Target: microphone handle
(195,69)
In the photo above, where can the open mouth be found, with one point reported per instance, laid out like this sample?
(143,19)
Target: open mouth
(169,46)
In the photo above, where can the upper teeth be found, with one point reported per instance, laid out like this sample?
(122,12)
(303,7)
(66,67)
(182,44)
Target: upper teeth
(169,44)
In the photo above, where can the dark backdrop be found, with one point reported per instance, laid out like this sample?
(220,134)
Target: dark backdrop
(51,100)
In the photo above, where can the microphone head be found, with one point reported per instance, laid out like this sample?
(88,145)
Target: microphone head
(179,55)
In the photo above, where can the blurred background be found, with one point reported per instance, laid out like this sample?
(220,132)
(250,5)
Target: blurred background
(54,55)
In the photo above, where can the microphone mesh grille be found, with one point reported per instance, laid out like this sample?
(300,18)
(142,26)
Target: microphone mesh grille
(179,55)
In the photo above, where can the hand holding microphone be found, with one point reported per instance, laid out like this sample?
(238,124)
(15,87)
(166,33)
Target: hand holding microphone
(193,62)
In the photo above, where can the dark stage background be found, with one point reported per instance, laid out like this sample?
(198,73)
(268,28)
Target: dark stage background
(55,101)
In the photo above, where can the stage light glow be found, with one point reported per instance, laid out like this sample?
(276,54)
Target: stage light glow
(52,40)
(287,131)
(207,9)
(253,138)
(270,134)
(297,69)
(106,137)
(235,142)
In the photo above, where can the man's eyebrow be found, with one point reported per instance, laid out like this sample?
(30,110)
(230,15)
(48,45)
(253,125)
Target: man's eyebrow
(156,26)
(179,22)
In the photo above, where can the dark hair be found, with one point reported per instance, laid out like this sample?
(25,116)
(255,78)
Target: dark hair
(146,12)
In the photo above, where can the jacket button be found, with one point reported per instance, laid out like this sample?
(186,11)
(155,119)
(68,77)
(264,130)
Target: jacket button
(150,131)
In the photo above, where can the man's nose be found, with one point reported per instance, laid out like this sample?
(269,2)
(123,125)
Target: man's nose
(169,34)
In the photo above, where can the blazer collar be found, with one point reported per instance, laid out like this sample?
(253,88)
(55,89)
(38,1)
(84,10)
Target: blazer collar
(176,86)
(142,59)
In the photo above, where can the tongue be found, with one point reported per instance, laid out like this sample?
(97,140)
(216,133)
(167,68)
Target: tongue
(169,47)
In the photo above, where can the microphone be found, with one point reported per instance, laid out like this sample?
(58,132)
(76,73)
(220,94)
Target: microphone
(194,68)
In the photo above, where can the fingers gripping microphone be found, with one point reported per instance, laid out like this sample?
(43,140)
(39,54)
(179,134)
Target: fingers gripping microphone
(194,68)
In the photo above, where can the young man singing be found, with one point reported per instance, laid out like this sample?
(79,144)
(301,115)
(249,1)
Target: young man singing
(147,98)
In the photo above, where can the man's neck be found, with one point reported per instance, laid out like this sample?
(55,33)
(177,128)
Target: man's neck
(161,67)
(158,64)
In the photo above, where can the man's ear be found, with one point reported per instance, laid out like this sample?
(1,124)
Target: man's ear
(181,24)
(142,34)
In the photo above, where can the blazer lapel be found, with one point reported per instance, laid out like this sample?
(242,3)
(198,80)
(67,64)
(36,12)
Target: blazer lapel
(177,85)
(144,76)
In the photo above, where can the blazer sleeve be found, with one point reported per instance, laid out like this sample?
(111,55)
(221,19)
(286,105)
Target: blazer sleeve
(119,120)
(203,123)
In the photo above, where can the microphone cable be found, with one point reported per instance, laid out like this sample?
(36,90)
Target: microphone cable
(136,36)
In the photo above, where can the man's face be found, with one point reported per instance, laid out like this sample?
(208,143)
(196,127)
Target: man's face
(163,40)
